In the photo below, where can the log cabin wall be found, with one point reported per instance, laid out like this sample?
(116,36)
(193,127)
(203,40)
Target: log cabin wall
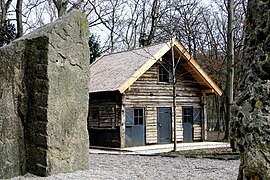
(188,93)
(104,118)
(148,93)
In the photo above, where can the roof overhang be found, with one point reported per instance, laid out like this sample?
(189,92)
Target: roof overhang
(196,71)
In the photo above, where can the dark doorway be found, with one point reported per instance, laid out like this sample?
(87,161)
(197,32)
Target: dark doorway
(164,125)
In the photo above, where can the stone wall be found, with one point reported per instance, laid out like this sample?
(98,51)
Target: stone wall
(252,122)
(44,95)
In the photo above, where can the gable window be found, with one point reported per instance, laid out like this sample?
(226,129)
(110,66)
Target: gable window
(165,71)
(134,116)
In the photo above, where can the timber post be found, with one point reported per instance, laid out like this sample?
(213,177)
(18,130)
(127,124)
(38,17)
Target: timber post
(204,121)
(123,123)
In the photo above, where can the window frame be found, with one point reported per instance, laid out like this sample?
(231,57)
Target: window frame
(193,114)
(137,116)
(166,69)
(188,115)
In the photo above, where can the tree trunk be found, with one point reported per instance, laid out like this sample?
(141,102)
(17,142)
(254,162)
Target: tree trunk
(19,18)
(61,6)
(154,14)
(230,70)
(174,98)
(3,16)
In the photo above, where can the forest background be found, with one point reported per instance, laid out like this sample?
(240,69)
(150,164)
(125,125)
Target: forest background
(117,25)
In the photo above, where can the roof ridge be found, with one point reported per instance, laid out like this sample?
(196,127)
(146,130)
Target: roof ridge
(137,48)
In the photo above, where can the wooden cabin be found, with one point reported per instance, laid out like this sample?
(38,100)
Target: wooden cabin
(131,97)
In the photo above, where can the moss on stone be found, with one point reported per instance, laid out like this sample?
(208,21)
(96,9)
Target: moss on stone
(258,104)
(84,26)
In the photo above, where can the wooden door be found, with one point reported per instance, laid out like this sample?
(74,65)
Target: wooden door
(164,125)
(135,131)
(187,118)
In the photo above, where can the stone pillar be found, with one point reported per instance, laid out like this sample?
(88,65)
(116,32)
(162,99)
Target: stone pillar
(251,126)
(57,86)
(51,96)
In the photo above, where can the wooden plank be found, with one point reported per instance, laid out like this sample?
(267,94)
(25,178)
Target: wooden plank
(151,125)
(164,93)
(197,132)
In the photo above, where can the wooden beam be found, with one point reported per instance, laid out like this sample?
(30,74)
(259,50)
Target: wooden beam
(208,91)
(204,120)
(198,70)
(123,123)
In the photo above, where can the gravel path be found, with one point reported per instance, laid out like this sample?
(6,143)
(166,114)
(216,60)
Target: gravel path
(108,166)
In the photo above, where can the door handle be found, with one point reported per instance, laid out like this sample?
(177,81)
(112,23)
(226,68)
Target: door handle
(159,124)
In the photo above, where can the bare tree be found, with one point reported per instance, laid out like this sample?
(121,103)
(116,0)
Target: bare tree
(189,18)
(131,28)
(110,15)
(4,10)
(154,18)
(36,13)
(61,6)
(19,18)
(4,5)
(230,69)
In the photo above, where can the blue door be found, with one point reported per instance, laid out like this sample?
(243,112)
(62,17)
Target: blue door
(135,133)
(187,119)
(164,125)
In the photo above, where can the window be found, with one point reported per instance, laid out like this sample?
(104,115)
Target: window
(134,116)
(187,114)
(165,71)
(192,114)
(138,116)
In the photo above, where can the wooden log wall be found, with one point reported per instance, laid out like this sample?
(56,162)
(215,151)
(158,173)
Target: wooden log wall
(149,94)
(104,110)
(197,132)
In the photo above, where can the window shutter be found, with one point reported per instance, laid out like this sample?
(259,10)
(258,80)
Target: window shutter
(129,116)
(197,115)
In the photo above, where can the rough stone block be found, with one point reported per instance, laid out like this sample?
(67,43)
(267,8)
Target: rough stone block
(12,149)
(44,100)
(64,99)
(251,125)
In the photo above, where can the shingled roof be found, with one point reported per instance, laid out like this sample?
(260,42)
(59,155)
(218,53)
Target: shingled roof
(118,71)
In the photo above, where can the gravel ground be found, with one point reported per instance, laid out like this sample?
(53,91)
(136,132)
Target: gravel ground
(109,166)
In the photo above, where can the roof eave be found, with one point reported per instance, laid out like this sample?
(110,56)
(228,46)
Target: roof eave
(198,70)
